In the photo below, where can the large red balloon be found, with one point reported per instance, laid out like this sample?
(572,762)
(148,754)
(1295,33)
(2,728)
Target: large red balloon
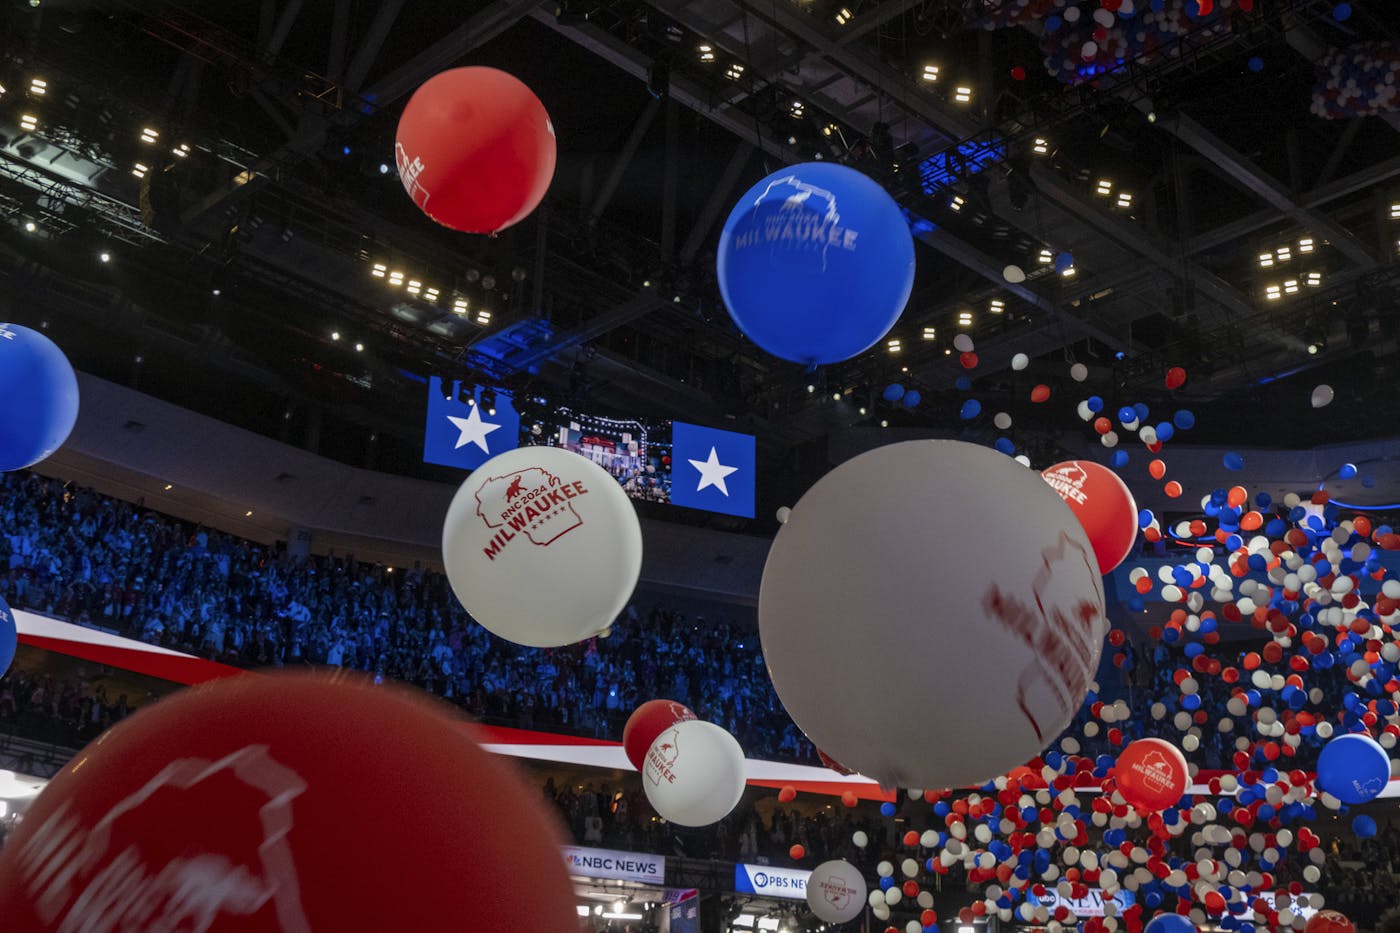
(1329,921)
(1103,505)
(287,802)
(647,722)
(1151,774)
(475,149)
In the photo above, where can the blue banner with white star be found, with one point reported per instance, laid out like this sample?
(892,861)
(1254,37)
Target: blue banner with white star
(466,432)
(712,469)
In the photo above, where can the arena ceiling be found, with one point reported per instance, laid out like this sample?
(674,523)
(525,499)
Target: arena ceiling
(239,274)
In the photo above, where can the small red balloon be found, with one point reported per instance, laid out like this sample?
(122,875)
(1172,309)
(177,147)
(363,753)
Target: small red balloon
(788,794)
(798,853)
(1172,489)
(1176,377)
(1151,774)
(249,804)
(475,149)
(968,360)
(647,722)
(1018,73)
(1103,505)
(1040,393)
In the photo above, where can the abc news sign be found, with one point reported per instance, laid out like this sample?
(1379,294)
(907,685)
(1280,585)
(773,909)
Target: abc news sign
(615,866)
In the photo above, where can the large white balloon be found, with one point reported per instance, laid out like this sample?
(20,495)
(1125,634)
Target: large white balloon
(542,546)
(694,773)
(836,891)
(930,616)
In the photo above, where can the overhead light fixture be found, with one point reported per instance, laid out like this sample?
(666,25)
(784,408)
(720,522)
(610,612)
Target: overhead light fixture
(415,287)
(1069,272)
(1312,349)
(1273,293)
(843,16)
(2,90)
(395,278)
(1314,279)
(248,514)
(930,73)
(1046,257)
(930,333)
(169,486)
(459,305)
(335,335)
(1041,146)
(997,306)
(1105,188)
(1290,287)
(139,170)
(104,256)
(1125,200)
(1266,260)
(30,226)
(430,294)
(707,53)
(1305,245)
(38,87)
(28,122)
(734,72)
(798,108)
(1395,211)
(1284,253)
(149,135)
(180,151)
(962,94)
(359,348)
(836,396)
(957,202)
(483,317)
(379,270)
(894,344)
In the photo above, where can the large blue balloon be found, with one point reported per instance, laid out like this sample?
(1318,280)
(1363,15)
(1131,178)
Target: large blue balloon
(9,637)
(38,397)
(816,263)
(1170,923)
(1353,768)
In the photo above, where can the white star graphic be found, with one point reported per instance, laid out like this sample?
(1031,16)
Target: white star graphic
(712,472)
(473,429)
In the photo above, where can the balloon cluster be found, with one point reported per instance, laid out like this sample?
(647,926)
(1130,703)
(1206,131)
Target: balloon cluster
(1358,81)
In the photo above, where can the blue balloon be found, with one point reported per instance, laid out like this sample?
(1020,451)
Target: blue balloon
(1341,12)
(887,809)
(912,398)
(1363,826)
(1353,768)
(963,384)
(1094,404)
(1165,431)
(1005,446)
(1119,458)
(1141,410)
(1184,420)
(1170,923)
(815,263)
(40,395)
(893,392)
(1256,64)
(1063,261)
(1347,471)
(9,637)
(970,409)
(1233,461)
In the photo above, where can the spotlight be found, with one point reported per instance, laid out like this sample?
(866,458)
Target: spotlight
(359,348)
(1312,349)
(335,335)
(181,151)
(105,256)
(707,53)
(30,226)
(1105,188)
(930,333)
(894,345)
(28,122)
(140,169)
(383,168)
(734,72)
(962,94)
(149,135)
(483,317)
(930,73)
(843,16)
(1041,146)
(38,87)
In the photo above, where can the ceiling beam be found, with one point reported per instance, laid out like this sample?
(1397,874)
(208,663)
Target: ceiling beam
(624,159)
(371,44)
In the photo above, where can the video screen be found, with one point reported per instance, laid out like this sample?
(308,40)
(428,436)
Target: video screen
(635,453)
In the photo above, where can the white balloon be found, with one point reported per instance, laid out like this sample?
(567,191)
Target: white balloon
(836,891)
(1322,396)
(783,514)
(1014,274)
(1002,420)
(1079,372)
(693,774)
(542,546)
(860,839)
(848,586)
(1020,361)
(962,343)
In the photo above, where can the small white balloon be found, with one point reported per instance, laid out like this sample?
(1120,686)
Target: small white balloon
(784,513)
(1020,361)
(1322,396)
(1079,372)
(1014,274)
(1002,420)
(962,343)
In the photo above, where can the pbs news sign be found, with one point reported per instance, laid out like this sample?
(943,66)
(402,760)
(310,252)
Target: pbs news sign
(771,882)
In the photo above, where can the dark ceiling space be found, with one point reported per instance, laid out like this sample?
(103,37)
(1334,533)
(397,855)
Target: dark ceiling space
(241,275)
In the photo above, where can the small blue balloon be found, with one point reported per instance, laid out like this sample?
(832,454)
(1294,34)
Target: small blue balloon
(1127,415)
(1184,420)
(893,392)
(40,393)
(1063,261)
(1363,826)
(1256,64)
(1119,458)
(912,398)
(9,637)
(1233,461)
(1053,23)
(815,263)
(1140,410)
(1145,518)
(963,383)
(1341,12)
(1347,471)
(1165,431)
(970,409)
(887,809)
(1005,446)
(1094,404)
(1353,768)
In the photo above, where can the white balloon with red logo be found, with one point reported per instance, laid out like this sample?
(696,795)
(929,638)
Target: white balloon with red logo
(836,891)
(932,615)
(542,546)
(693,774)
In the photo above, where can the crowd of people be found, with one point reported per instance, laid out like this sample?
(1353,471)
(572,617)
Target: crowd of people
(74,554)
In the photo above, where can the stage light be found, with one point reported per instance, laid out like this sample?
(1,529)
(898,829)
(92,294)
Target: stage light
(38,87)
(962,95)
(1314,279)
(707,53)
(1125,200)
(884,423)
(894,344)
(843,16)
(168,487)
(1105,188)
(335,335)
(483,317)
(957,202)
(149,135)
(964,318)
(1312,349)
(28,122)
(1290,287)
(1266,260)
(798,109)
(140,170)
(930,73)
(1273,293)
(836,396)
(1395,211)
(997,306)
(459,305)
(415,287)
(30,226)
(395,278)
(1069,272)
(379,270)
(734,72)
(1041,146)
(930,333)
(180,151)
(248,514)
(1284,253)
(1046,257)
(105,256)
(1305,245)
(359,348)
(430,294)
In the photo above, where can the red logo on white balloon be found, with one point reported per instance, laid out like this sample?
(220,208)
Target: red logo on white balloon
(533,502)
(661,758)
(118,876)
(836,892)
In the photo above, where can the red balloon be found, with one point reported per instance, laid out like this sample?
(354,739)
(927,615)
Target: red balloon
(1040,393)
(647,722)
(1103,505)
(1151,774)
(1329,921)
(1176,377)
(286,802)
(475,149)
